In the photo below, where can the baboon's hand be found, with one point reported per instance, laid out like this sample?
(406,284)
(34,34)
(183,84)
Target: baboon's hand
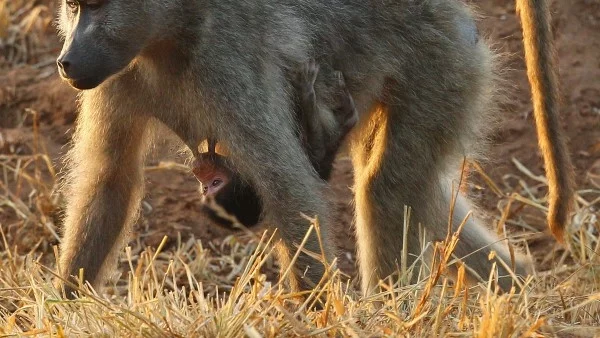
(347,115)
(307,75)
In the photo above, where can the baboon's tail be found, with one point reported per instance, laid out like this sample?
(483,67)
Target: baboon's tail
(541,71)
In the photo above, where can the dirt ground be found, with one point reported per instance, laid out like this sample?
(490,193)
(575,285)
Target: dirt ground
(173,203)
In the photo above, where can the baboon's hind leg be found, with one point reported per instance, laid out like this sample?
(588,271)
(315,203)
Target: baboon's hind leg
(401,160)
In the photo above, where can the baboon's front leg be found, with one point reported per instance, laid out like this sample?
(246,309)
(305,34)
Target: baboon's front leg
(266,150)
(105,184)
(289,189)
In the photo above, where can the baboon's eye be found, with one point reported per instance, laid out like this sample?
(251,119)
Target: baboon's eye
(216,183)
(73,5)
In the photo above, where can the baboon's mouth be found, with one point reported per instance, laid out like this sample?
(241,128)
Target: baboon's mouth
(82,84)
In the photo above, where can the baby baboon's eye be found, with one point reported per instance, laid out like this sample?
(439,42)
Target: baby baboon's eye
(73,5)
(216,183)
(204,189)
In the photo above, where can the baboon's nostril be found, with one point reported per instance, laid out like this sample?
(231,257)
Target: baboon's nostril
(63,64)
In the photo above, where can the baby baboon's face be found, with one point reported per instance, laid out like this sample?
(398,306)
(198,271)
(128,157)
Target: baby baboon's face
(101,38)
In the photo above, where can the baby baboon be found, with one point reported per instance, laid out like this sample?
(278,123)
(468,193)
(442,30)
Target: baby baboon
(220,70)
(225,187)
(322,135)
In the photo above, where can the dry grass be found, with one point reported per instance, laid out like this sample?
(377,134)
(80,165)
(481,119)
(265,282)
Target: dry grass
(24,25)
(185,289)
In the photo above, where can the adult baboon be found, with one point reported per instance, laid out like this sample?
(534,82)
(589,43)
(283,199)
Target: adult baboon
(220,70)
(322,130)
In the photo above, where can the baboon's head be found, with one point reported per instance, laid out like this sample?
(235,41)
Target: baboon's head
(101,38)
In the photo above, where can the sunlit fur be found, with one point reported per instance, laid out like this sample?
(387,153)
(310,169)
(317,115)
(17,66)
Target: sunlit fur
(539,56)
